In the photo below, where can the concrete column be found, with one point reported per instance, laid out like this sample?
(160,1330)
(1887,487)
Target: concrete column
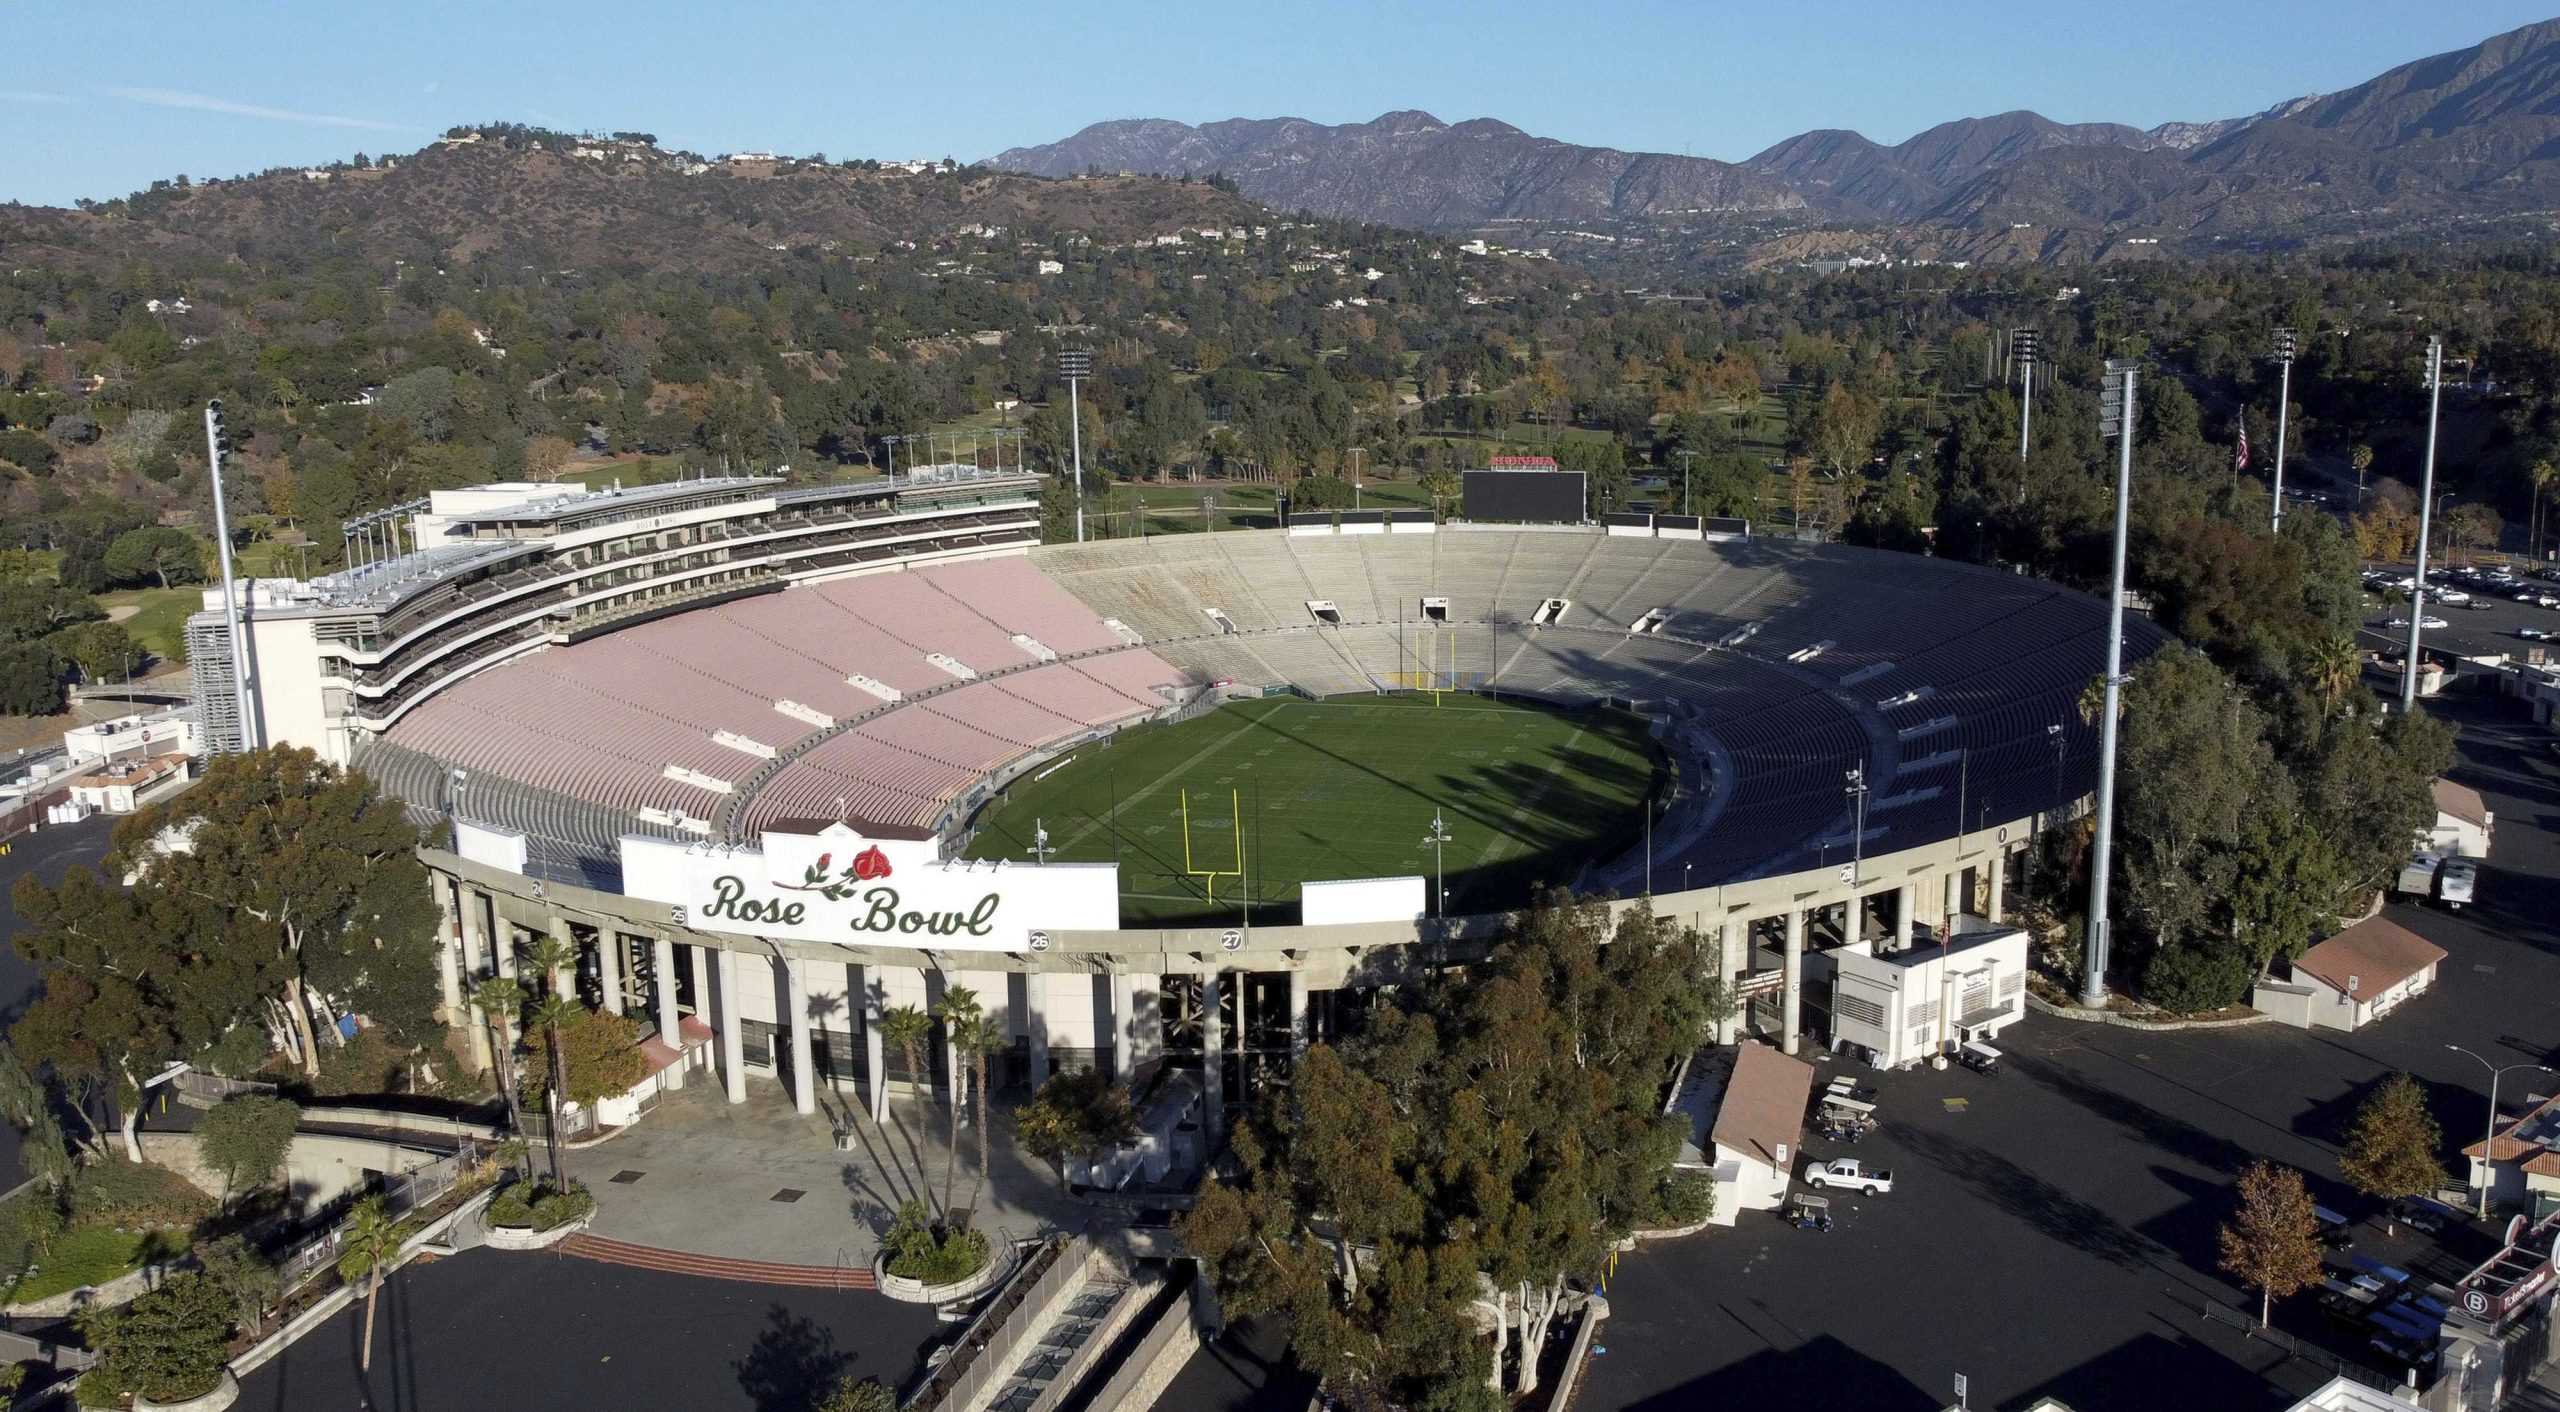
(1999,873)
(1955,893)
(452,971)
(662,954)
(1906,906)
(500,936)
(564,978)
(1792,1016)
(875,1056)
(1213,1056)
(1124,1001)
(1297,1012)
(1035,1024)
(733,1043)
(698,966)
(1727,938)
(609,968)
(804,1072)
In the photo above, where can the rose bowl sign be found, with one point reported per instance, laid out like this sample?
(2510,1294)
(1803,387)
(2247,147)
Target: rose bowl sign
(838,886)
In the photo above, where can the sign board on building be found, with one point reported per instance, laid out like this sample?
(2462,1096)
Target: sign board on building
(1323,904)
(838,886)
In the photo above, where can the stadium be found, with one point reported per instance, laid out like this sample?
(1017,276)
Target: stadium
(775,758)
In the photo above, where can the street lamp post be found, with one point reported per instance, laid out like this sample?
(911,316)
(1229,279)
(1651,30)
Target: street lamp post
(1356,453)
(2426,508)
(2488,1147)
(1688,480)
(1438,838)
(2284,404)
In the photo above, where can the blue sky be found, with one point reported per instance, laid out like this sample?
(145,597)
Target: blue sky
(132,92)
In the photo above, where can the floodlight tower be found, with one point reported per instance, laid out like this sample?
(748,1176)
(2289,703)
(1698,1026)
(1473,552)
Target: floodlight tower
(1438,838)
(2022,351)
(1856,789)
(2116,420)
(216,442)
(2426,515)
(2284,403)
(1075,365)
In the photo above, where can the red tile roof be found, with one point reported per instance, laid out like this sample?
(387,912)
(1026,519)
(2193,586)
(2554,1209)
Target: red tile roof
(1764,1103)
(2376,954)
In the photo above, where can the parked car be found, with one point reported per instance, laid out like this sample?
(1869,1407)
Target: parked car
(2451,595)
(2418,876)
(1848,1172)
(2455,882)
(2536,634)
(2420,1214)
(2336,1231)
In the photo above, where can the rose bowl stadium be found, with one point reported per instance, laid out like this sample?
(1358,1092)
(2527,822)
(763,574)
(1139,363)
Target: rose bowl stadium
(775,757)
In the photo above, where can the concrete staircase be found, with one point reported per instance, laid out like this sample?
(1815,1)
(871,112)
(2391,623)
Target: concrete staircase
(714,1267)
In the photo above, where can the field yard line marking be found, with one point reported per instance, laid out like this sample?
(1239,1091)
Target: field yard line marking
(1149,791)
(1507,842)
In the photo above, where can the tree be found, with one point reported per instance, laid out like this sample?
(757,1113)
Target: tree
(959,1013)
(101,650)
(169,1345)
(30,680)
(500,999)
(2272,1241)
(2360,460)
(600,1054)
(248,1278)
(2391,1150)
(549,1071)
(297,879)
(246,1139)
(852,1394)
(546,456)
(368,1246)
(155,552)
(1076,1114)
(122,995)
(910,1029)
(2542,475)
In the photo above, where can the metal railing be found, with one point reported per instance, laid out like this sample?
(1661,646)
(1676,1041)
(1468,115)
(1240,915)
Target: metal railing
(403,1194)
(982,1359)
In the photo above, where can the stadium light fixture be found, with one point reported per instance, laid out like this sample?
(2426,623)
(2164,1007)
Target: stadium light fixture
(217,441)
(2426,523)
(2022,351)
(1438,838)
(1075,365)
(1856,789)
(2284,349)
(2116,419)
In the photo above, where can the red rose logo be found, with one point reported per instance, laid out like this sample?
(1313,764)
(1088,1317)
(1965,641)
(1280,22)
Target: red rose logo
(823,860)
(870,864)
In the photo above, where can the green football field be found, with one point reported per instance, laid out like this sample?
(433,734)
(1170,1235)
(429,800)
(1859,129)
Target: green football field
(1341,788)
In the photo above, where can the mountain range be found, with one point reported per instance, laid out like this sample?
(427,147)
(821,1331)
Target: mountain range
(2462,136)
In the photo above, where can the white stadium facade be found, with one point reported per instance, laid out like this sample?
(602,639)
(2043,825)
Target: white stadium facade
(725,735)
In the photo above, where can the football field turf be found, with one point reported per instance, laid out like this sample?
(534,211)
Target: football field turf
(1340,788)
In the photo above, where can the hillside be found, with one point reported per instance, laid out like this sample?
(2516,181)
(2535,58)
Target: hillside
(2465,139)
(629,206)
(1412,169)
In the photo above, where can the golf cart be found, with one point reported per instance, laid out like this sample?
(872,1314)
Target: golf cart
(1979,1057)
(1807,1212)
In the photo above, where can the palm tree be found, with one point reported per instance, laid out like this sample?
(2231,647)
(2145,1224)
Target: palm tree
(908,1028)
(957,1012)
(500,999)
(2361,458)
(557,960)
(553,1013)
(978,1038)
(2335,668)
(369,1244)
(2543,474)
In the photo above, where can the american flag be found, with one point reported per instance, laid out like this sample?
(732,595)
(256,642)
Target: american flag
(2240,453)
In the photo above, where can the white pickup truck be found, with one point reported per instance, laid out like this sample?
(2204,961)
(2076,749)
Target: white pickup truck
(1848,1172)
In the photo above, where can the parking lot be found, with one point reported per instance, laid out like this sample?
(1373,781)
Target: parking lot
(2491,623)
(2053,1232)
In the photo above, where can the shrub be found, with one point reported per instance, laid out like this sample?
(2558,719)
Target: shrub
(246,1139)
(1686,1198)
(169,1345)
(536,1206)
(135,1194)
(930,1254)
(2190,979)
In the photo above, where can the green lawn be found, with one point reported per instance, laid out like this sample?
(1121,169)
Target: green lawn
(93,1256)
(160,624)
(1342,788)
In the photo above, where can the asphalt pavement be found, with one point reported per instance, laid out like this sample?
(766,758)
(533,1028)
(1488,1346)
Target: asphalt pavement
(535,1331)
(2052,1228)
